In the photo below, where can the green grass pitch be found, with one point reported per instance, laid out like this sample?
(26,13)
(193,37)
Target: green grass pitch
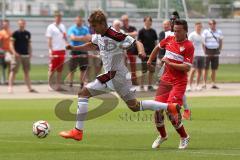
(120,134)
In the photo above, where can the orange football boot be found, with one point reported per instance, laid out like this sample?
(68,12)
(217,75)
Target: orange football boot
(186,114)
(73,134)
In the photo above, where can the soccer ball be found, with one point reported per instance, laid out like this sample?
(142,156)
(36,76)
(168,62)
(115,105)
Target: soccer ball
(41,129)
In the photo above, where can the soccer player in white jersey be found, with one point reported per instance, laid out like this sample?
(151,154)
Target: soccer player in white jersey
(111,44)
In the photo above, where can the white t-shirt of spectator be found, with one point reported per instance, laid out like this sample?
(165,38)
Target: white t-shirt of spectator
(169,33)
(197,41)
(209,40)
(58,35)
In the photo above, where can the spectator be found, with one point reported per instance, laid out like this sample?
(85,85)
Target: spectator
(22,52)
(5,38)
(166,27)
(132,52)
(213,40)
(199,58)
(79,35)
(117,25)
(57,39)
(148,37)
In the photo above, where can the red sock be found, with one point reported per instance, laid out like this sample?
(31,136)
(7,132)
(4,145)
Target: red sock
(162,131)
(181,131)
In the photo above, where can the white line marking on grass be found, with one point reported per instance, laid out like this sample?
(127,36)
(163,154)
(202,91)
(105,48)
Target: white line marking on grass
(215,154)
(72,144)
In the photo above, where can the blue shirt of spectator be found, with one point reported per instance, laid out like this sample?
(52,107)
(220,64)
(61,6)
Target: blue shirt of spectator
(78,31)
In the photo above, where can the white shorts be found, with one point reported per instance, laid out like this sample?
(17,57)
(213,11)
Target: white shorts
(120,83)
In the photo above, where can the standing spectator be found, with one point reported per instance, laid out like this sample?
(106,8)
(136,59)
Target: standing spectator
(117,25)
(199,58)
(148,37)
(22,52)
(166,27)
(132,52)
(213,39)
(5,38)
(57,39)
(79,35)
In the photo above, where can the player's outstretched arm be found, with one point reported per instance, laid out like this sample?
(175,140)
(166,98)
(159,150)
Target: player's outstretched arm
(140,49)
(89,46)
(182,67)
(153,55)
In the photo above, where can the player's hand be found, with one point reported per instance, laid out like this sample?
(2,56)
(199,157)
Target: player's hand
(165,60)
(150,66)
(69,47)
(142,55)
(149,62)
(17,55)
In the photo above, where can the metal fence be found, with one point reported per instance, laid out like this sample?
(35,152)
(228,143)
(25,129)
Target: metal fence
(37,26)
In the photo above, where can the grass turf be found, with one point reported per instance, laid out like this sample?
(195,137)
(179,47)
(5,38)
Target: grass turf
(120,134)
(226,73)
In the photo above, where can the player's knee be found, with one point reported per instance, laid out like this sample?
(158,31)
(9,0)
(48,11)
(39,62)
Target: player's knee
(84,93)
(134,109)
(133,106)
(177,126)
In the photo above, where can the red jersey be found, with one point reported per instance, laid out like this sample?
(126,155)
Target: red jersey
(177,52)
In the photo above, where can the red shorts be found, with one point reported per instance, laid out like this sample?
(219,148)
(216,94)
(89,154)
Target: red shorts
(57,61)
(168,93)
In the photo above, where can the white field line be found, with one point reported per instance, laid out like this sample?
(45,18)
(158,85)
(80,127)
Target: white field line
(72,144)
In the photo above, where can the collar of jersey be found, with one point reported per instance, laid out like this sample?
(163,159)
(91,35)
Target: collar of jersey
(106,33)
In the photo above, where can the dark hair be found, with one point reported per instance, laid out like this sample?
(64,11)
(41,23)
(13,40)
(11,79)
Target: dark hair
(212,21)
(98,16)
(174,16)
(147,17)
(182,22)
(6,20)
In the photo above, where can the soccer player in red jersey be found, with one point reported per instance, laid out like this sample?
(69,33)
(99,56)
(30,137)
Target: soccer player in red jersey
(177,60)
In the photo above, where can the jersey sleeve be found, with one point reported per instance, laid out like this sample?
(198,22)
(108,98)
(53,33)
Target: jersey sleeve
(140,35)
(190,37)
(128,42)
(63,28)
(220,34)
(161,36)
(188,54)
(14,36)
(87,31)
(155,35)
(94,39)
(70,32)
(204,34)
(49,32)
(30,37)
(163,43)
